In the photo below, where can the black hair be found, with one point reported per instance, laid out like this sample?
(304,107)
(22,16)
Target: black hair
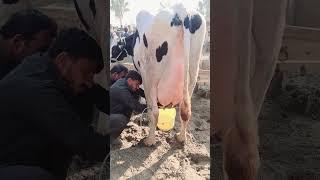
(28,23)
(118,69)
(77,43)
(134,75)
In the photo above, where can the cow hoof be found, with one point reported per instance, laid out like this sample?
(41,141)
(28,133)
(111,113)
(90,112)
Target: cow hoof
(149,141)
(181,137)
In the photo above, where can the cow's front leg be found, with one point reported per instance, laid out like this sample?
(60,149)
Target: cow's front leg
(153,114)
(185,114)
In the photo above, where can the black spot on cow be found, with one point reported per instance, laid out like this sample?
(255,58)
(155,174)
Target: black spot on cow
(162,51)
(176,21)
(192,24)
(196,22)
(139,63)
(186,22)
(145,40)
(9,1)
(93,7)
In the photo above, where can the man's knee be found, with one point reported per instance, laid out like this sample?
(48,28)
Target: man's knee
(118,121)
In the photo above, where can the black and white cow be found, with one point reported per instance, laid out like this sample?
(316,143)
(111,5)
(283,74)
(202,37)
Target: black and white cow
(166,50)
(124,48)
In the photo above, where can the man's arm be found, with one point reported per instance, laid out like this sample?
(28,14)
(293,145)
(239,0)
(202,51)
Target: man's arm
(54,116)
(141,93)
(127,98)
(100,98)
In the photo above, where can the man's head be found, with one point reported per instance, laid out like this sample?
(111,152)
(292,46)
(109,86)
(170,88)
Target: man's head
(118,71)
(27,32)
(78,57)
(126,29)
(134,80)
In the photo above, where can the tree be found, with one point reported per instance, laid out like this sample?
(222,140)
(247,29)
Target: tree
(204,8)
(119,7)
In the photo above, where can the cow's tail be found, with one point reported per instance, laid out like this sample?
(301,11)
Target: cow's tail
(191,30)
(198,29)
(183,14)
(186,44)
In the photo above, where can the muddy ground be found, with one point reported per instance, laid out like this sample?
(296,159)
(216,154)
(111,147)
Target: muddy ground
(289,130)
(168,159)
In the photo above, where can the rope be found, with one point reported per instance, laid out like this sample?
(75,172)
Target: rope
(141,118)
(150,107)
(102,165)
(108,155)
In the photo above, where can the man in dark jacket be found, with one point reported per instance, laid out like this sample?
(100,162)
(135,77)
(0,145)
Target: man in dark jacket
(119,71)
(124,99)
(30,31)
(25,33)
(40,130)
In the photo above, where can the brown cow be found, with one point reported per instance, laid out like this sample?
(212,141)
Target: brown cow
(247,38)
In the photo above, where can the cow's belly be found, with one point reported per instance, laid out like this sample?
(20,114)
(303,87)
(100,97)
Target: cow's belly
(170,87)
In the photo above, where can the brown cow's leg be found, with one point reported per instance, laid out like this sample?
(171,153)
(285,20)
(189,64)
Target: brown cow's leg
(240,145)
(241,156)
(269,24)
(233,110)
(256,41)
(241,159)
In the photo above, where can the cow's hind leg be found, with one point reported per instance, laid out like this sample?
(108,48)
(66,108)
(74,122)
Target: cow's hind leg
(192,60)
(185,114)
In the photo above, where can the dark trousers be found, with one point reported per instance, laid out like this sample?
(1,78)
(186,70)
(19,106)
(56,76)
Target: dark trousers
(118,122)
(20,172)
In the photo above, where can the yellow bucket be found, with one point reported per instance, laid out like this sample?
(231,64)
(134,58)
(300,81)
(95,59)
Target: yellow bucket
(166,119)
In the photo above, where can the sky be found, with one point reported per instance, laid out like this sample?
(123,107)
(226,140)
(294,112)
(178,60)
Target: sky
(150,5)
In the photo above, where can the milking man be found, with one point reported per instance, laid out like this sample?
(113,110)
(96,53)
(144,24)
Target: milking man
(124,99)
(41,127)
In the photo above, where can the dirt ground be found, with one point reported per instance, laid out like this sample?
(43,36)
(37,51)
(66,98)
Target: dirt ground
(289,130)
(168,159)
